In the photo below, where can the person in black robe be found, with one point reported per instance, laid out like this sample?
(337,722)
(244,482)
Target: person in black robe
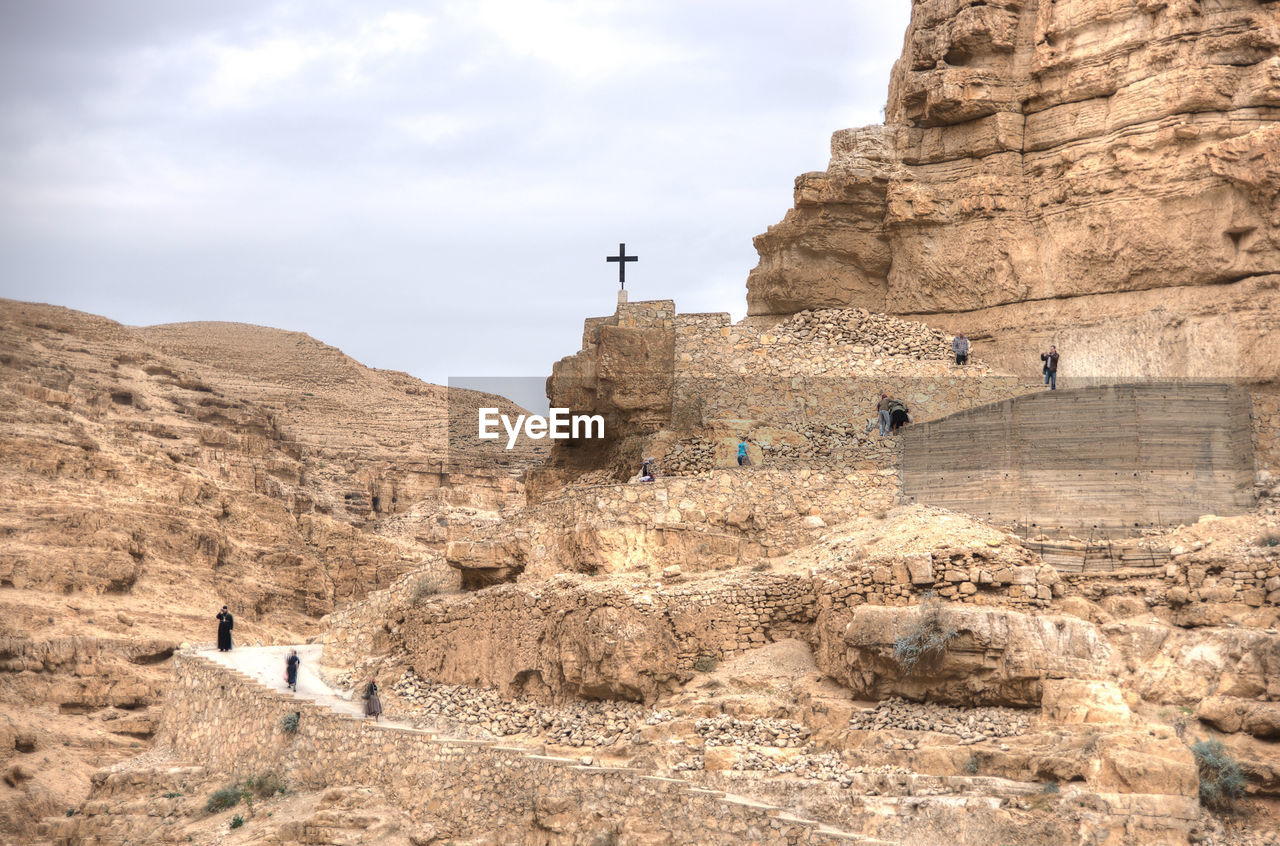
(372,704)
(291,670)
(225,624)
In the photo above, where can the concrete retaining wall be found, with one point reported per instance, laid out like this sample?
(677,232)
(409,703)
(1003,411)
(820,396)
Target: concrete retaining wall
(1114,457)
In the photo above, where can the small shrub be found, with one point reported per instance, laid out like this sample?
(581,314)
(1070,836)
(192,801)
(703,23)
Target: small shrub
(224,798)
(928,635)
(289,723)
(236,821)
(705,663)
(71,812)
(971,765)
(1091,743)
(424,588)
(1269,539)
(173,795)
(1222,779)
(1050,788)
(264,785)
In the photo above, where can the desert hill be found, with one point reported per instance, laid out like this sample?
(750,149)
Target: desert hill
(150,475)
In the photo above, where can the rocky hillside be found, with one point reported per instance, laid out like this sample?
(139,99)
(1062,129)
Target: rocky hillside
(1099,175)
(151,475)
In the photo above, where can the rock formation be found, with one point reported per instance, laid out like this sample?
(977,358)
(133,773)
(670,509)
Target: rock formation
(150,475)
(1099,175)
(786,652)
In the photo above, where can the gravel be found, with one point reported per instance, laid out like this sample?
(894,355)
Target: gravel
(971,725)
(483,712)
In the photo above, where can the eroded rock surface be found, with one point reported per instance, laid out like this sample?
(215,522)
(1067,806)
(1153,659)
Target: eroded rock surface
(1097,174)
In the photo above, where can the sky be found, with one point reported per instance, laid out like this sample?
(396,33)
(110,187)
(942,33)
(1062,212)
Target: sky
(430,186)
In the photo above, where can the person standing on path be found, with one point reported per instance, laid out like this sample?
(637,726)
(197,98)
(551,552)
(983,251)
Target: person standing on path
(743,458)
(960,346)
(1050,360)
(372,704)
(225,624)
(291,670)
(882,410)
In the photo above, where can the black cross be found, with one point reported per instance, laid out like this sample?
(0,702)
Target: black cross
(622,258)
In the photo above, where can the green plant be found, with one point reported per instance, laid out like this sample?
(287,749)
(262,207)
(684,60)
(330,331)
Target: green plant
(172,795)
(927,636)
(224,798)
(705,663)
(264,785)
(1269,539)
(1222,779)
(236,821)
(1050,788)
(71,812)
(289,722)
(971,765)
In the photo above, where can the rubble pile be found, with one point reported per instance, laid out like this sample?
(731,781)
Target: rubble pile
(477,712)
(971,725)
(725,730)
(869,333)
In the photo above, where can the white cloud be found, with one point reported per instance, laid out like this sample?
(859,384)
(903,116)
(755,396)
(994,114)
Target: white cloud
(247,75)
(431,129)
(587,41)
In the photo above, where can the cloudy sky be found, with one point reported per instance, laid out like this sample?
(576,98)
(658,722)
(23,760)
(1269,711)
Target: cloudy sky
(431,186)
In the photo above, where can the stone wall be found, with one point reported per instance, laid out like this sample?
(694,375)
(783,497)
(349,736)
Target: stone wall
(657,376)
(571,637)
(461,788)
(1114,458)
(717,519)
(1266,430)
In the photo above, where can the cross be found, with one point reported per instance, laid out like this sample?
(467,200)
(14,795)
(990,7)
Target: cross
(622,258)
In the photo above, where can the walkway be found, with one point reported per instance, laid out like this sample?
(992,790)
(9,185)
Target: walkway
(265,665)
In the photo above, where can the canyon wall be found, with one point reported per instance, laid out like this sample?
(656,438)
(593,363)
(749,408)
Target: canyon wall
(1099,174)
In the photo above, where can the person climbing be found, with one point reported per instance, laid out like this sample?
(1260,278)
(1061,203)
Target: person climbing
(291,670)
(899,416)
(743,458)
(882,412)
(225,624)
(372,704)
(960,346)
(1050,360)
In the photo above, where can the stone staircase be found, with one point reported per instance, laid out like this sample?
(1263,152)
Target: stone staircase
(1117,459)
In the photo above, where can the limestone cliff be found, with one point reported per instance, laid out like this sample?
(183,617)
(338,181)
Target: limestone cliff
(150,475)
(1102,174)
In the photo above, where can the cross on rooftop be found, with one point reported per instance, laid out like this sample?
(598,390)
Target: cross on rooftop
(622,258)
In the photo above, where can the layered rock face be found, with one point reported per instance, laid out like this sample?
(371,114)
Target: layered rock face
(1099,174)
(150,475)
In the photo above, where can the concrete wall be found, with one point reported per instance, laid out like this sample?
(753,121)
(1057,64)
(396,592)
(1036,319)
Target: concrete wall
(1113,457)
